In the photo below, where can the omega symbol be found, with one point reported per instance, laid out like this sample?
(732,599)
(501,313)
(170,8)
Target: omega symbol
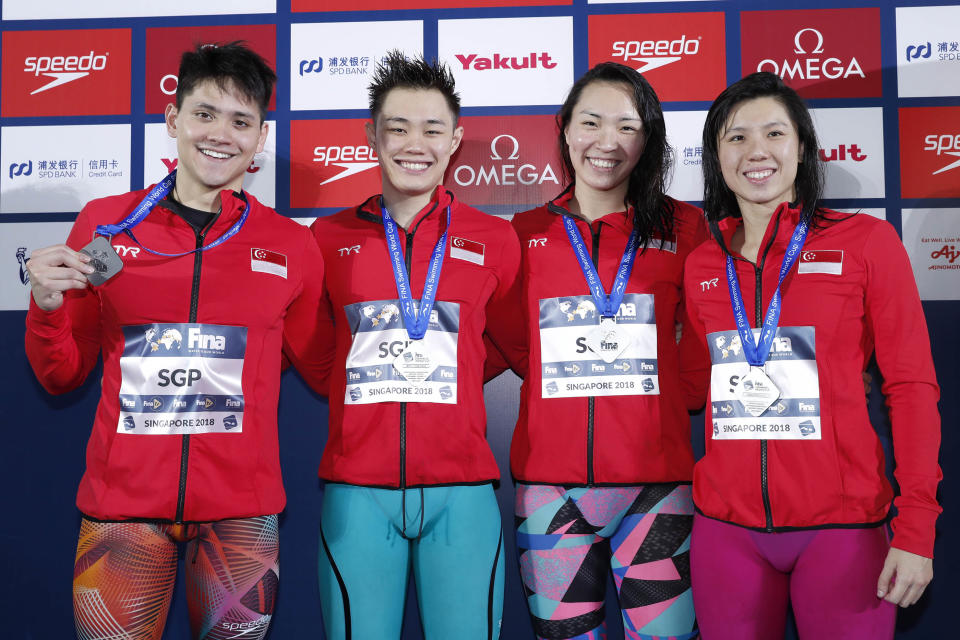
(798,48)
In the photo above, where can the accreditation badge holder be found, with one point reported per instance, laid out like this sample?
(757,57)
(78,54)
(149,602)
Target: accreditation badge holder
(606,341)
(104,260)
(757,392)
(415,364)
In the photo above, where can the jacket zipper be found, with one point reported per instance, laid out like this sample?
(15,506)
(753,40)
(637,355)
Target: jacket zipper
(194,304)
(591,400)
(758,316)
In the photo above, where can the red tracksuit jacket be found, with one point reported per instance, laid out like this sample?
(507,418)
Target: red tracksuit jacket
(851,294)
(229,301)
(564,434)
(385,432)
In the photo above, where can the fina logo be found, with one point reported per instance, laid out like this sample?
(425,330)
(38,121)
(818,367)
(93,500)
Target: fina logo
(915,52)
(21,169)
(812,68)
(311,65)
(22,259)
(504,174)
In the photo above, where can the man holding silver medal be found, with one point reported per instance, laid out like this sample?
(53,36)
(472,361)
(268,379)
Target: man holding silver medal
(184,444)
(413,276)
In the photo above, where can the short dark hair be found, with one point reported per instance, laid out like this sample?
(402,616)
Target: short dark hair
(232,64)
(718,200)
(653,211)
(396,71)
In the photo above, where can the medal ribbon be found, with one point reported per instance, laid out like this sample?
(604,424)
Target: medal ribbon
(607,305)
(757,351)
(139,214)
(415,322)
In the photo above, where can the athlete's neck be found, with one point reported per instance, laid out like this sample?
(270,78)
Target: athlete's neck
(591,204)
(403,207)
(197,196)
(748,237)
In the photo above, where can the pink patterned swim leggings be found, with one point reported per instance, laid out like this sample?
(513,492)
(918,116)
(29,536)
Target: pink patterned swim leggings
(569,539)
(125,571)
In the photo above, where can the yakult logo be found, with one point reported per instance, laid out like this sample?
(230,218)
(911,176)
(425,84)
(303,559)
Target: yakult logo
(813,66)
(843,152)
(533,60)
(814,51)
(655,53)
(63,69)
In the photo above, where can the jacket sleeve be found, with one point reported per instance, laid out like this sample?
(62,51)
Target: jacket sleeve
(505,333)
(902,346)
(694,357)
(63,345)
(308,331)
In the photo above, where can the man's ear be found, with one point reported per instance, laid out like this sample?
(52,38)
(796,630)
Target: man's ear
(170,119)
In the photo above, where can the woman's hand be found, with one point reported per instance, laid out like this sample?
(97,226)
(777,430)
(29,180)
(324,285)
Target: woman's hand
(904,577)
(54,270)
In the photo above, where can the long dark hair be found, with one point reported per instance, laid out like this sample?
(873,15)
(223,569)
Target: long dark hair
(718,200)
(653,212)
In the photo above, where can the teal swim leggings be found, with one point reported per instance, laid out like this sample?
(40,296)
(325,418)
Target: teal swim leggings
(370,539)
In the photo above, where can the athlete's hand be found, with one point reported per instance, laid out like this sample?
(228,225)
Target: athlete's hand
(54,270)
(904,577)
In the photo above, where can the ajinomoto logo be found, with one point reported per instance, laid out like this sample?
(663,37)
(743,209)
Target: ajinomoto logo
(166,44)
(331,164)
(506,160)
(930,152)
(683,55)
(66,73)
(823,53)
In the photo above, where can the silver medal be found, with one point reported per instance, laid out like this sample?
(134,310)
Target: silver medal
(606,341)
(415,364)
(757,392)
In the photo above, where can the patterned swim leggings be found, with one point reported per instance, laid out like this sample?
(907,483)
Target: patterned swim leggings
(568,539)
(125,571)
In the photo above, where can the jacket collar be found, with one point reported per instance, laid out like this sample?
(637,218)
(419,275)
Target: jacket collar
(620,220)
(779,228)
(442,198)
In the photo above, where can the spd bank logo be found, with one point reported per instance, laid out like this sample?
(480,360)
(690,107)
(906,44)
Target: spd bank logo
(816,51)
(681,54)
(52,73)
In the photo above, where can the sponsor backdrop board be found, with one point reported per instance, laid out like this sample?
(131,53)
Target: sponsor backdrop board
(83,87)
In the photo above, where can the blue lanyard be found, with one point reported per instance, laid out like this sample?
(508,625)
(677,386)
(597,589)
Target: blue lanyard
(416,322)
(607,305)
(139,214)
(757,351)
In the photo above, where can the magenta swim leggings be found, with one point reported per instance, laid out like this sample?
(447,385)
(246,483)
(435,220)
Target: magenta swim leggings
(744,579)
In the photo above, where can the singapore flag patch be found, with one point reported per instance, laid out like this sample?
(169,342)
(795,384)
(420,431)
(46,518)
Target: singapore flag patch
(266,261)
(821,261)
(466,250)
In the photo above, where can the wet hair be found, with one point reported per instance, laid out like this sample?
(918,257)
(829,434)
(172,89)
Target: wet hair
(718,200)
(396,71)
(233,66)
(653,211)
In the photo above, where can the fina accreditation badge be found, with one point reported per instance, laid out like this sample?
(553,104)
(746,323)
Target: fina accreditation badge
(757,392)
(606,341)
(415,363)
(103,259)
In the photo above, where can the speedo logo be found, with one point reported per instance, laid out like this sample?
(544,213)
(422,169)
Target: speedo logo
(63,69)
(351,159)
(944,144)
(655,53)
